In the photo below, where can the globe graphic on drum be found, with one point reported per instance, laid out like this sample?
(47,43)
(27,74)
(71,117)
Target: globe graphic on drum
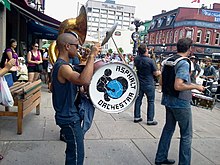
(114,89)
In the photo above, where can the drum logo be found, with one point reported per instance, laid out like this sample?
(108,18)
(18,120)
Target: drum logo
(113,87)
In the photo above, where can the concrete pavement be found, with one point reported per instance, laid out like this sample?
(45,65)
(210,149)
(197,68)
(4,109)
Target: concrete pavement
(112,140)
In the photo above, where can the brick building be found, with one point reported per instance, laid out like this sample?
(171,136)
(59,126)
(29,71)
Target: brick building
(202,25)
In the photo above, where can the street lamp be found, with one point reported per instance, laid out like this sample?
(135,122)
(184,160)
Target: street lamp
(136,25)
(163,48)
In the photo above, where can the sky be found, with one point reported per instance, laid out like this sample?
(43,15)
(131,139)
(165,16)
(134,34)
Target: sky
(144,10)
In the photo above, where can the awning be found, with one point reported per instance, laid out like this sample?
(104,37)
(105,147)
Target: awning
(42,31)
(6,3)
(34,14)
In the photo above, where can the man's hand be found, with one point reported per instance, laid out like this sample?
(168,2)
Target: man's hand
(200,88)
(10,64)
(95,49)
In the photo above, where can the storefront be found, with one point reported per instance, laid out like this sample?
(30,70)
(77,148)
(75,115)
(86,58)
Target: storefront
(26,25)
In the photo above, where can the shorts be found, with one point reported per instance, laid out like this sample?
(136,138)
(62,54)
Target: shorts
(32,69)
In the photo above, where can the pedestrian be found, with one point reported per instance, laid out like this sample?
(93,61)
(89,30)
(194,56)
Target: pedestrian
(8,65)
(209,70)
(8,54)
(197,69)
(45,65)
(176,88)
(146,70)
(34,60)
(64,87)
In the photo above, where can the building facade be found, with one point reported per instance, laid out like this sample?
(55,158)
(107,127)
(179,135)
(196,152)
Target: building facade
(103,15)
(202,25)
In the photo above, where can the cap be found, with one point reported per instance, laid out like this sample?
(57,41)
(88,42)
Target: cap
(207,58)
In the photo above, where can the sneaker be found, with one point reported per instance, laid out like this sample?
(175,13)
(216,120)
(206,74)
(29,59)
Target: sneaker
(152,122)
(167,161)
(137,120)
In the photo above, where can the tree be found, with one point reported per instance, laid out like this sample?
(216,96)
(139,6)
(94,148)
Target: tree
(120,50)
(110,51)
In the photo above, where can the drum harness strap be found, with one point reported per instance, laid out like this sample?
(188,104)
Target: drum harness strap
(169,74)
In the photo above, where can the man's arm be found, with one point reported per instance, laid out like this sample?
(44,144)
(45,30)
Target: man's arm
(66,72)
(179,85)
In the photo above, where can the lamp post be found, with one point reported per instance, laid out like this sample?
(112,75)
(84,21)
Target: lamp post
(136,25)
(163,48)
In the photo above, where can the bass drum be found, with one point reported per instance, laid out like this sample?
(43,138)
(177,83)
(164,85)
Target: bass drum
(114,87)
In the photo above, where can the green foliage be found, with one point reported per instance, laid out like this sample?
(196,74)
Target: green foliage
(110,51)
(121,50)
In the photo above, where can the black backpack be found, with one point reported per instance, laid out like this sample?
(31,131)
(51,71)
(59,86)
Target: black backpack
(168,74)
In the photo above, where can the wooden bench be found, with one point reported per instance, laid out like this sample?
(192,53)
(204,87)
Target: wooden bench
(27,96)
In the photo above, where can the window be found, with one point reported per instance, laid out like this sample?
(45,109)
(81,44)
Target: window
(175,36)
(199,36)
(111,12)
(111,17)
(217,39)
(171,37)
(95,10)
(160,37)
(103,11)
(208,37)
(181,34)
(167,37)
(169,19)
(160,21)
(157,38)
(189,34)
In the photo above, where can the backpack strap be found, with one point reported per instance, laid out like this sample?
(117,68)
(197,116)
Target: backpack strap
(173,63)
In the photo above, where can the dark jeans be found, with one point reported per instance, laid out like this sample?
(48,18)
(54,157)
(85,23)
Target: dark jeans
(14,75)
(184,119)
(74,143)
(149,90)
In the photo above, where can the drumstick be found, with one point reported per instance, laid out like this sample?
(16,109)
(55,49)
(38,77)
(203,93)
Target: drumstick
(121,56)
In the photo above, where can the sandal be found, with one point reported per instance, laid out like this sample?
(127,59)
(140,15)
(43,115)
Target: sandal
(1,157)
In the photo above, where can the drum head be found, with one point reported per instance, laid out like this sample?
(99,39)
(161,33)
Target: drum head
(114,87)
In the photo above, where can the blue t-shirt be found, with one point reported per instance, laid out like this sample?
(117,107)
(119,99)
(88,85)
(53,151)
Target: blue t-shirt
(145,67)
(182,72)
(63,97)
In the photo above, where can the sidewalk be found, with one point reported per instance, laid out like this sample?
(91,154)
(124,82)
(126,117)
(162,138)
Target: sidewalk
(112,140)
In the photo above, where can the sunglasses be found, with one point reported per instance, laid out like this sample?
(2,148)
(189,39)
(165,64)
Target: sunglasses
(76,45)
(36,46)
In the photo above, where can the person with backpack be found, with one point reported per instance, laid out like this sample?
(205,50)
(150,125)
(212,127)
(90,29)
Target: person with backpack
(10,53)
(176,88)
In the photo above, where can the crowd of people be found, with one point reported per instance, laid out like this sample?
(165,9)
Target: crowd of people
(35,65)
(65,83)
